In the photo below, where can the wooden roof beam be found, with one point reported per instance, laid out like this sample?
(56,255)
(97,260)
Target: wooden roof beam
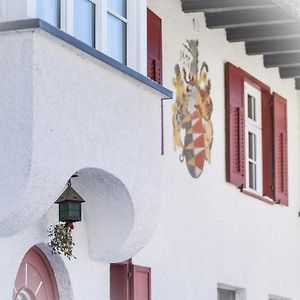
(297,84)
(263,32)
(249,17)
(273,47)
(221,5)
(282,60)
(289,72)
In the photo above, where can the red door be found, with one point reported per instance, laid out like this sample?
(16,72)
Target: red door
(35,278)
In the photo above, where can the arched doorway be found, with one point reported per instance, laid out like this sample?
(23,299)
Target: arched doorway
(35,278)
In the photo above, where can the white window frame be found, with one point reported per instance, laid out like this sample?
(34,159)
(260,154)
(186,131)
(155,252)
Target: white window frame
(136,28)
(124,20)
(254,127)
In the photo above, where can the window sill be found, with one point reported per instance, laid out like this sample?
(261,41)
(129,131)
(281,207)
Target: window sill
(262,198)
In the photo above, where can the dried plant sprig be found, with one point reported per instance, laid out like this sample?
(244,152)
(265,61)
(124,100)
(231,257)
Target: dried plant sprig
(61,239)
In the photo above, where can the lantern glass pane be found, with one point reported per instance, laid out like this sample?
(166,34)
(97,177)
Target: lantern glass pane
(70,211)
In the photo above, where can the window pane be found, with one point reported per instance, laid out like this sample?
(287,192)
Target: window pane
(252,146)
(226,294)
(117,6)
(116,34)
(49,10)
(84,21)
(251,108)
(252,175)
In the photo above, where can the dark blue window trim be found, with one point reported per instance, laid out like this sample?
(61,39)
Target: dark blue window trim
(37,23)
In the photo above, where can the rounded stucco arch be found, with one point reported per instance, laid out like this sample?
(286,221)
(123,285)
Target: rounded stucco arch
(108,212)
(118,224)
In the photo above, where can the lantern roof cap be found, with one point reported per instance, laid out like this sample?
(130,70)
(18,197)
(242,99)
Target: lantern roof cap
(69,194)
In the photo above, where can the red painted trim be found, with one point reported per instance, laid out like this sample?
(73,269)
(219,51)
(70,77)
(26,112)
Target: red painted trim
(280,149)
(49,269)
(39,268)
(267,134)
(136,288)
(154,46)
(235,135)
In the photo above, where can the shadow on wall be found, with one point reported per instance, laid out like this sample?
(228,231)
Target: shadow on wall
(108,212)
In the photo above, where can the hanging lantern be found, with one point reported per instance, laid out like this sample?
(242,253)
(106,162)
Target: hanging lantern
(69,205)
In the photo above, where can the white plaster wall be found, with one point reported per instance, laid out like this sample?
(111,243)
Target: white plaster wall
(209,232)
(62,112)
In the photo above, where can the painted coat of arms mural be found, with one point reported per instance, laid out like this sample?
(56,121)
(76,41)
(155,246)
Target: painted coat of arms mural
(192,126)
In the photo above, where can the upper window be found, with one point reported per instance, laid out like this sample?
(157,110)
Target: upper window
(84,21)
(117,30)
(256,137)
(107,25)
(253,138)
(49,11)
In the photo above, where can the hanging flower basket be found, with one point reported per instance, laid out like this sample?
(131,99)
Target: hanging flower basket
(61,239)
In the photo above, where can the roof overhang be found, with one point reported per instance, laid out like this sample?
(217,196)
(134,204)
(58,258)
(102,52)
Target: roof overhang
(268,27)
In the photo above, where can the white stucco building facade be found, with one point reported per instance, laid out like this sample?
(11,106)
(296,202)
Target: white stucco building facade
(67,108)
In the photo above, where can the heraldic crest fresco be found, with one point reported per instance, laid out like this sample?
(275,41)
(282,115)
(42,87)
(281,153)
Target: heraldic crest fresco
(192,126)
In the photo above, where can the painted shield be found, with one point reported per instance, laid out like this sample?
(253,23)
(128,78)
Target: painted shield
(194,145)
(192,110)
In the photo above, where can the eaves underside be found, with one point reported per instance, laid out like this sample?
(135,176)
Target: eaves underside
(267,27)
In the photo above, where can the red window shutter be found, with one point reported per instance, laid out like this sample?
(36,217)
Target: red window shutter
(280,149)
(119,284)
(235,126)
(141,283)
(267,149)
(154,46)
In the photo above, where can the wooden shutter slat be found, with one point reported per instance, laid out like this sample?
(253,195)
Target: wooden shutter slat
(141,283)
(280,149)
(235,126)
(267,149)
(154,46)
(119,284)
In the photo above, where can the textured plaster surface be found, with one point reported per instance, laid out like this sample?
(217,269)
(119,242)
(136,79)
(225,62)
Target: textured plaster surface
(209,232)
(62,112)
(89,119)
